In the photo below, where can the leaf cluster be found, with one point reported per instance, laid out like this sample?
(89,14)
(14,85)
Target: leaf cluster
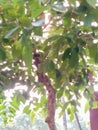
(66,42)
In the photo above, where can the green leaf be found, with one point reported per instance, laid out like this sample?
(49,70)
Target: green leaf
(32,116)
(96,57)
(2,53)
(26,49)
(58,79)
(93,50)
(21,98)
(88,20)
(11,32)
(58,74)
(12,110)
(67,19)
(63,109)
(2,107)
(37,31)
(27,54)
(47,66)
(73,60)
(17,49)
(92,3)
(27,109)
(15,103)
(50,65)
(94,12)
(60,93)
(59,8)
(66,54)
(95,105)
(71,111)
(15,100)
(5,120)
(36,8)
(87,106)
(82,9)
(72,117)
(43,101)
(25,21)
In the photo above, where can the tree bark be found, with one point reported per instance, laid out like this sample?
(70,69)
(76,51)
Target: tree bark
(50,120)
(51,106)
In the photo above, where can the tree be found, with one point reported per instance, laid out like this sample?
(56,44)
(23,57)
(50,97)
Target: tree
(51,46)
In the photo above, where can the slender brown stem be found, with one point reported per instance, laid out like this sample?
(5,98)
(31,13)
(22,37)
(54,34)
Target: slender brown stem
(78,123)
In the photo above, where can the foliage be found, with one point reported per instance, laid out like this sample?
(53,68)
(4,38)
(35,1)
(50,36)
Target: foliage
(22,122)
(66,42)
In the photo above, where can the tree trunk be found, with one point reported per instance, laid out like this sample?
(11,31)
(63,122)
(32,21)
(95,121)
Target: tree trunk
(51,106)
(51,109)
(78,123)
(50,120)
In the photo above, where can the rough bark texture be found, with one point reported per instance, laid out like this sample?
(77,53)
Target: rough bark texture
(42,78)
